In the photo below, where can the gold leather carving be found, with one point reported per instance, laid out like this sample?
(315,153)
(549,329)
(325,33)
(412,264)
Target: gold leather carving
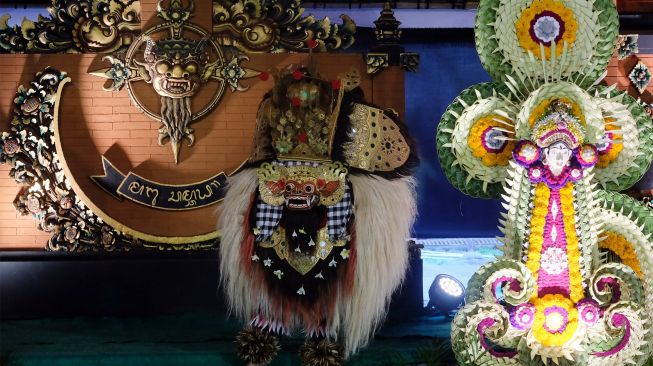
(302,262)
(377,143)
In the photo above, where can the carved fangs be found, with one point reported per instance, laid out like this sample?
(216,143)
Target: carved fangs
(295,202)
(176,86)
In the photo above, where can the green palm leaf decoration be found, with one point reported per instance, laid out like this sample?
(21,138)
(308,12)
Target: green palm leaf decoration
(575,283)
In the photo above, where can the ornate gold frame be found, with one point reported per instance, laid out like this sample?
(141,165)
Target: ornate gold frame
(98,211)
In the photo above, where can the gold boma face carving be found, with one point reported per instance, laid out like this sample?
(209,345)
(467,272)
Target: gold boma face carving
(175,66)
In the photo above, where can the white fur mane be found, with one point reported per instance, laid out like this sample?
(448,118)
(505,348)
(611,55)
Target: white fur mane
(384,213)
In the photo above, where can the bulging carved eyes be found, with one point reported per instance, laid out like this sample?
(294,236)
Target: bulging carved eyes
(162,67)
(294,187)
(191,68)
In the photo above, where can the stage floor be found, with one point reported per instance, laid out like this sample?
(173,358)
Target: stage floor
(192,339)
(51,287)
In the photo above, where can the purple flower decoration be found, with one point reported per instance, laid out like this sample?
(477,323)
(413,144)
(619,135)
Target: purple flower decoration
(621,321)
(536,173)
(540,173)
(480,328)
(522,316)
(556,319)
(586,155)
(605,145)
(501,281)
(526,153)
(612,283)
(589,312)
(491,140)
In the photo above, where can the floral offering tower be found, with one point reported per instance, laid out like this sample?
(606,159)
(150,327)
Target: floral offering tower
(574,283)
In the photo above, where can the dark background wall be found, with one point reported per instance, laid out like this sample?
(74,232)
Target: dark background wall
(447,67)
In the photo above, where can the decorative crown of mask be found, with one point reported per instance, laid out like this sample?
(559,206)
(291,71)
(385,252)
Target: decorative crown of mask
(558,124)
(302,114)
(300,118)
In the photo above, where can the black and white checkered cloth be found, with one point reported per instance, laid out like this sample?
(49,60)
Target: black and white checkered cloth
(338,215)
(267,219)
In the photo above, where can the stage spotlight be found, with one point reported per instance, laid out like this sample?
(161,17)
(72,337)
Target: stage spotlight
(445,295)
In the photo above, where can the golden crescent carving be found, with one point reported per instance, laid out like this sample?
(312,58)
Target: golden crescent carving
(98,211)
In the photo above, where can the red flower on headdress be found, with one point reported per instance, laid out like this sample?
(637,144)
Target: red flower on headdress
(302,137)
(335,84)
(264,76)
(311,43)
(297,74)
(295,101)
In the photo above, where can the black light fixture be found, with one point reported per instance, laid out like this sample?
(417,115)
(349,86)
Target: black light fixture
(446,294)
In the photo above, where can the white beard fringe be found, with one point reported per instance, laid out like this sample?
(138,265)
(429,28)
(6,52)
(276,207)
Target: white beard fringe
(384,214)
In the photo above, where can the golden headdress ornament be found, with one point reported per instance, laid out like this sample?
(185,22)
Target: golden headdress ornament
(299,119)
(559,125)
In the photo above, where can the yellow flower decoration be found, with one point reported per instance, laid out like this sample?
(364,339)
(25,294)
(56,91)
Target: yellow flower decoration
(573,251)
(536,237)
(539,111)
(492,152)
(622,247)
(610,151)
(542,321)
(545,22)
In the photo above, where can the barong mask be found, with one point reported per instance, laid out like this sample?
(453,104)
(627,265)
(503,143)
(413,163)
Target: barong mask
(302,187)
(321,155)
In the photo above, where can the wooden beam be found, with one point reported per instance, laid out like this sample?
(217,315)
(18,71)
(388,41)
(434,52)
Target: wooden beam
(635,6)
